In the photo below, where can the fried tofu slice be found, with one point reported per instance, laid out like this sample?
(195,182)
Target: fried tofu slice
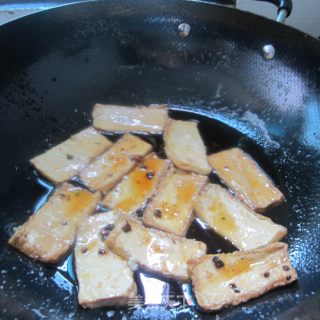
(184,146)
(246,179)
(147,119)
(138,186)
(235,221)
(68,158)
(154,250)
(229,279)
(109,168)
(171,209)
(104,278)
(49,234)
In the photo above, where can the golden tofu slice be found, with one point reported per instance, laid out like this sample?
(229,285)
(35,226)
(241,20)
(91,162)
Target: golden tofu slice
(49,234)
(109,168)
(229,279)
(244,177)
(68,158)
(235,221)
(137,187)
(154,250)
(148,119)
(184,146)
(171,209)
(104,278)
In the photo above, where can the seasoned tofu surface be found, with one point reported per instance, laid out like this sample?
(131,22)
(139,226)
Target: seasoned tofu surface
(49,234)
(184,146)
(243,176)
(68,158)
(171,209)
(109,168)
(104,278)
(229,279)
(235,221)
(148,119)
(154,250)
(138,186)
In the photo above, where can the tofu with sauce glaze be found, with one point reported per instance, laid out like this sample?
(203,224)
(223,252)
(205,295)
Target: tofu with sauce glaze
(49,234)
(223,280)
(138,186)
(171,209)
(154,250)
(146,119)
(234,220)
(184,146)
(104,278)
(110,167)
(68,158)
(246,179)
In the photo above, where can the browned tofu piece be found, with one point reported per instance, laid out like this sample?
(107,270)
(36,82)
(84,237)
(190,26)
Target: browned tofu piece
(68,158)
(184,146)
(229,279)
(150,119)
(154,250)
(137,187)
(109,168)
(104,278)
(171,209)
(49,234)
(243,176)
(235,221)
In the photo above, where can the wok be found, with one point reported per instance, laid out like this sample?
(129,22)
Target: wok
(56,64)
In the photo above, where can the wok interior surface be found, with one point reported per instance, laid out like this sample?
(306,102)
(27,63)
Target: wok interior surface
(55,65)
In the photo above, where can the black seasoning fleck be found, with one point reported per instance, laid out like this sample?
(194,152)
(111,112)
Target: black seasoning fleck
(135,157)
(69,156)
(149,175)
(217,262)
(84,250)
(64,222)
(105,231)
(288,278)
(143,167)
(102,252)
(285,268)
(157,213)
(126,227)
(266,274)
(234,287)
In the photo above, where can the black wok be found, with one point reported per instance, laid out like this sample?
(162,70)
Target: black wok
(56,64)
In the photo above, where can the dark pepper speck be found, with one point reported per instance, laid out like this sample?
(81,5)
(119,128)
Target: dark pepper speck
(288,278)
(157,213)
(234,287)
(69,156)
(84,250)
(218,262)
(102,252)
(266,274)
(149,175)
(286,268)
(126,227)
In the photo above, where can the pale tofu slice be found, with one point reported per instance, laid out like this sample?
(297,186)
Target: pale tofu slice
(109,168)
(49,234)
(147,119)
(246,179)
(154,250)
(229,279)
(235,221)
(104,278)
(171,209)
(68,158)
(137,187)
(184,146)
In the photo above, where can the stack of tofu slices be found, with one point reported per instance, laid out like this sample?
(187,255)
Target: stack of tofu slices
(127,176)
